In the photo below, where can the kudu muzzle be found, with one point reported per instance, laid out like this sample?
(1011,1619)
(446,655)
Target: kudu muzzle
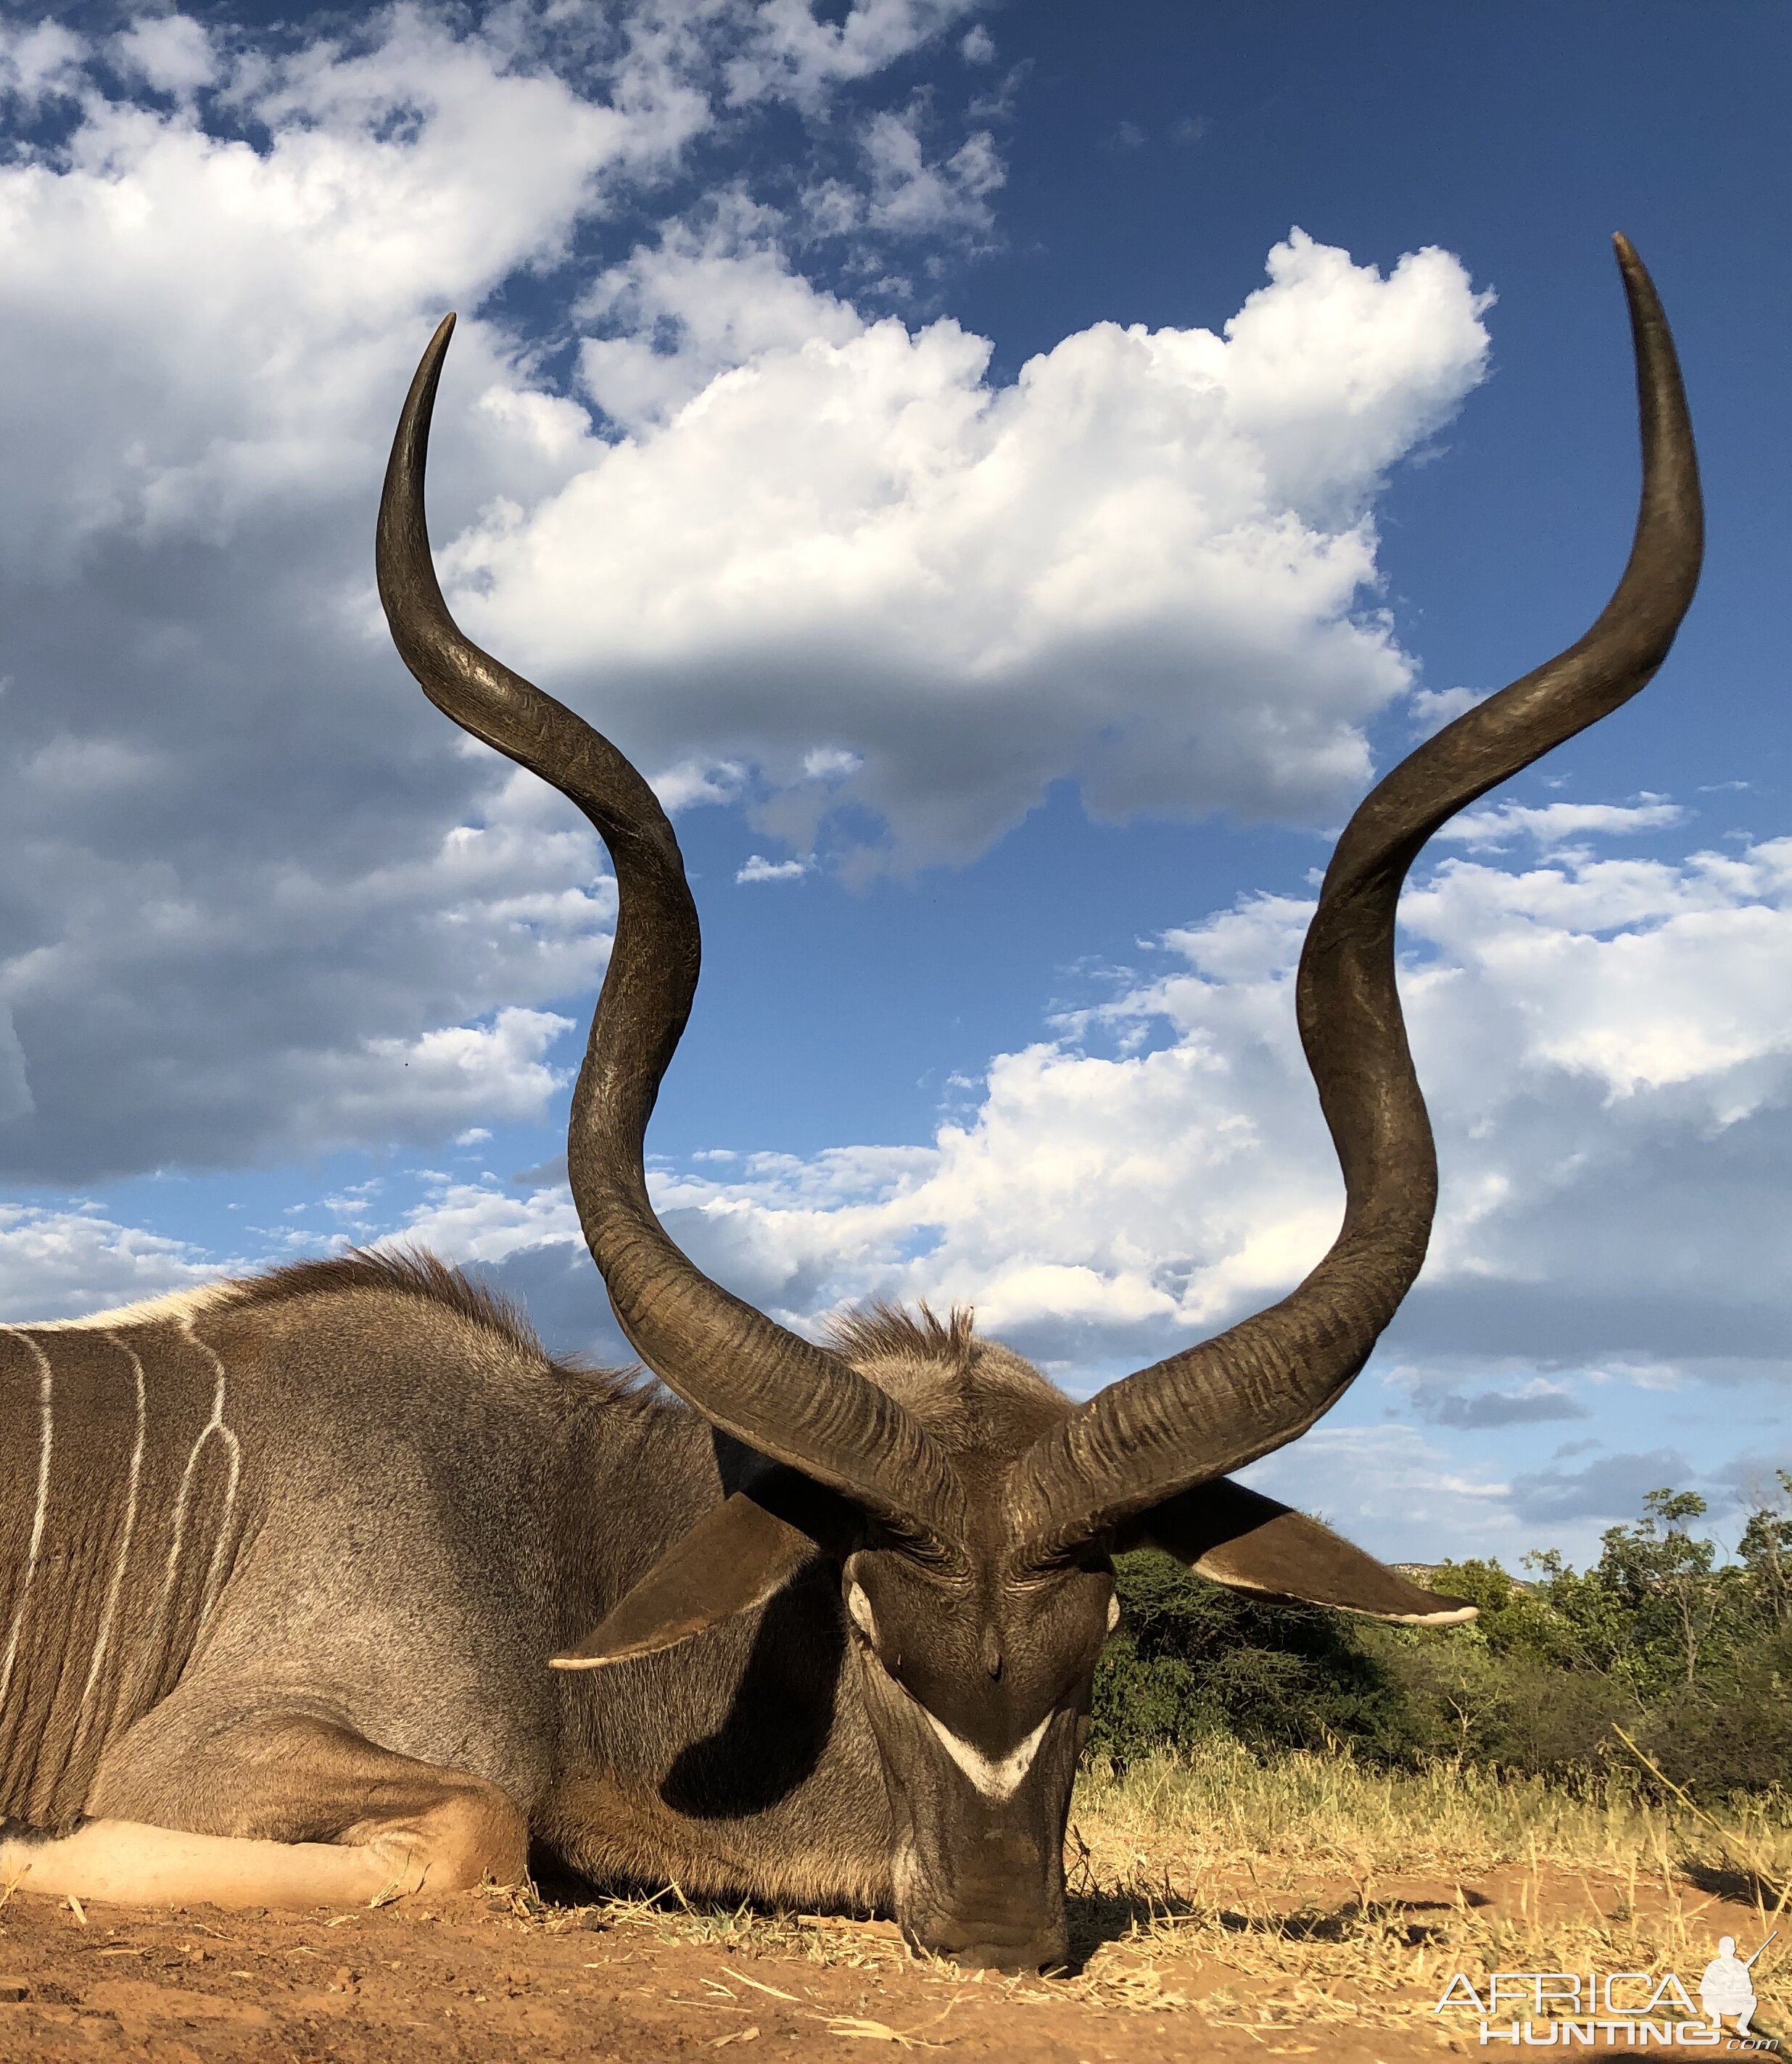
(976,1878)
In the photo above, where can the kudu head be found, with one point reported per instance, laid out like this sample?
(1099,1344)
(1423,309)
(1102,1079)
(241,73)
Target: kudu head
(971,1509)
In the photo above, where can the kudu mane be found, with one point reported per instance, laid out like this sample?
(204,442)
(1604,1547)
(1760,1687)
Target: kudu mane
(404,1272)
(972,1395)
(880,1331)
(936,1367)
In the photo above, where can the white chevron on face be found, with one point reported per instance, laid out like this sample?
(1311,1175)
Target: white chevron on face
(996,1778)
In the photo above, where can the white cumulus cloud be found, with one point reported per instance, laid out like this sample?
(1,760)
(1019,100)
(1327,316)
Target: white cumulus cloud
(62,1264)
(1551,824)
(813,562)
(254,885)
(1596,1038)
(1142,565)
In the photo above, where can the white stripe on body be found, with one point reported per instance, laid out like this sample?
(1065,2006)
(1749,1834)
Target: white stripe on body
(996,1777)
(214,1425)
(103,1640)
(46,1429)
(177,1541)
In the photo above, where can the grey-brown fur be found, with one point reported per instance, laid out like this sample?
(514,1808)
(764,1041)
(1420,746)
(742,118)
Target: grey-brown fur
(427,1508)
(114,1462)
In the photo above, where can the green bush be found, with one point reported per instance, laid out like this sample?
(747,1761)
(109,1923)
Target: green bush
(1192,1658)
(1691,1657)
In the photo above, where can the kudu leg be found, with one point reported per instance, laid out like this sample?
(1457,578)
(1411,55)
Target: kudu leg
(285,1810)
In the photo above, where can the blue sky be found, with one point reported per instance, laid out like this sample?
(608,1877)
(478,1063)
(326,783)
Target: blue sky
(1010,475)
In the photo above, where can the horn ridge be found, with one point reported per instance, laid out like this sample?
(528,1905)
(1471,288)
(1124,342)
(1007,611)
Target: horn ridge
(1219,1404)
(785,1396)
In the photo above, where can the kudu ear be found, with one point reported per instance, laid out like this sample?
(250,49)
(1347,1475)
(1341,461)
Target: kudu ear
(734,1558)
(1240,1538)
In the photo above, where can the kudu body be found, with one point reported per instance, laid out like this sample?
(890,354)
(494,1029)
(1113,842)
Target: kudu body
(283,1563)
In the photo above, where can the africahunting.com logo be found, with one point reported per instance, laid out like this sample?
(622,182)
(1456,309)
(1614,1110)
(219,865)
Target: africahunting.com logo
(1616,2009)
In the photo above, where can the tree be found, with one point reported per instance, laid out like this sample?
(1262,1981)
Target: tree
(1765,1553)
(1665,1577)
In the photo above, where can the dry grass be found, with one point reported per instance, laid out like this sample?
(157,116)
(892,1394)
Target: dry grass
(1341,1894)
(1222,1805)
(1312,1891)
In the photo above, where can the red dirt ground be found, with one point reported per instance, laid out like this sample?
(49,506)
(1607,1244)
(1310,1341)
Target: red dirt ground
(492,1979)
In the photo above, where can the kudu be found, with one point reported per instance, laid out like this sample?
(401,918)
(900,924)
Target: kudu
(285,1561)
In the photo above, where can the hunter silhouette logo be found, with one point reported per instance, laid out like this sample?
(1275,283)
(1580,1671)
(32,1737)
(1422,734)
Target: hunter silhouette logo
(1727,1987)
(1616,2010)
